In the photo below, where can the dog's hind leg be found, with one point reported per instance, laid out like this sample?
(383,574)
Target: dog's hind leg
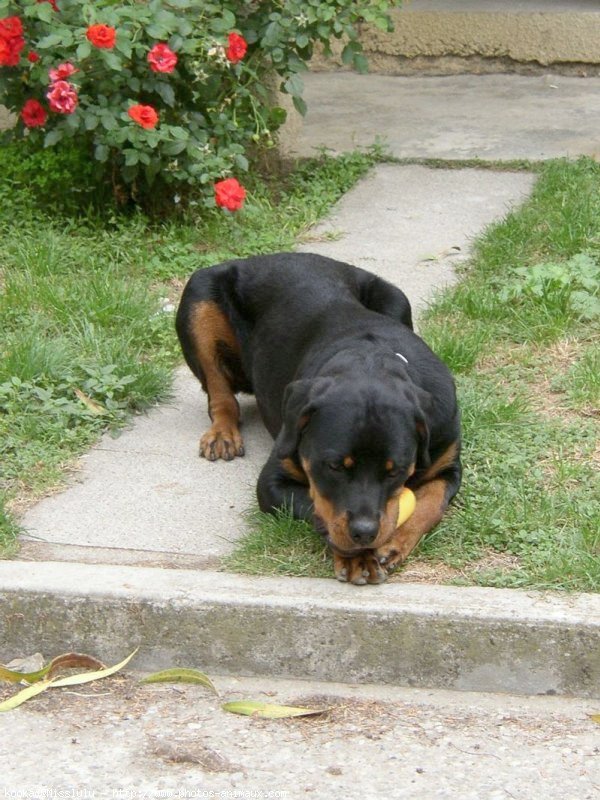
(282,484)
(385,298)
(213,353)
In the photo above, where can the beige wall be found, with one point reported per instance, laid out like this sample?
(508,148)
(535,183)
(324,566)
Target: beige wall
(561,39)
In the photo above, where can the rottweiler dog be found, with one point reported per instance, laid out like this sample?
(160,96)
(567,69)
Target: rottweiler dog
(357,403)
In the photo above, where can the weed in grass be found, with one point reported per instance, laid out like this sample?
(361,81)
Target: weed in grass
(581,382)
(9,529)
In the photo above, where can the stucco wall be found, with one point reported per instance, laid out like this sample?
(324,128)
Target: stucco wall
(482,40)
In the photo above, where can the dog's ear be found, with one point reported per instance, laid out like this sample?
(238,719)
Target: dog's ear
(299,403)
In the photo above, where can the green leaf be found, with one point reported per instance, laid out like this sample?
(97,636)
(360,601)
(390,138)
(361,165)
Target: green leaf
(131,157)
(361,64)
(123,46)
(349,52)
(256,708)
(109,123)
(294,85)
(179,133)
(277,116)
(180,675)
(300,105)
(91,121)
(173,148)
(51,40)
(43,11)
(166,92)
(112,61)
(84,50)
(101,152)
(156,31)
(52,137)
(223,24)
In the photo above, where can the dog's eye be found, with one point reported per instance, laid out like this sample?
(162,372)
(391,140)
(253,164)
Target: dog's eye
(337,466)
(392,470)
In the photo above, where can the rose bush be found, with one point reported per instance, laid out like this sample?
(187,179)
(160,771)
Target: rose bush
(175,91)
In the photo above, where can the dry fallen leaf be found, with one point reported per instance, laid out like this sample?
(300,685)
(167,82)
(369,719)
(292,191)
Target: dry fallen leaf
(256,708)
(180,675)
(90,404)
(449,251)
(65,661)
(72,680)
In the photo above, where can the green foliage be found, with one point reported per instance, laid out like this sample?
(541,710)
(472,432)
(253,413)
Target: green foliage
(570,288)
(60,179)
(213,105)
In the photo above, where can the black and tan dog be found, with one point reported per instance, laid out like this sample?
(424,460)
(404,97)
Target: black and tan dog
(357,403)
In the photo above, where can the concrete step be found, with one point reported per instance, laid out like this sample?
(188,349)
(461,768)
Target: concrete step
(468,639)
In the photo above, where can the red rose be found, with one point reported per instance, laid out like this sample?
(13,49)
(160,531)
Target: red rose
(161,58)
(11,41)
(62,97)
(145,116)
(62,71)
(10,51)
(32,56)
(10,28)
(102,36)
(230,194)
(237,48)
(33,114)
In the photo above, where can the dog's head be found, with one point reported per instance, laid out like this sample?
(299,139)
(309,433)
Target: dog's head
(358,442)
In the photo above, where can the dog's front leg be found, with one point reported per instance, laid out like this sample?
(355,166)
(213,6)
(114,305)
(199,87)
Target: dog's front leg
(282,484)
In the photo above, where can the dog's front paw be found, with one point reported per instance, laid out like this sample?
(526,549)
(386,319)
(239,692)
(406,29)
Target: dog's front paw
(360,569)
(225,443)
(391,555)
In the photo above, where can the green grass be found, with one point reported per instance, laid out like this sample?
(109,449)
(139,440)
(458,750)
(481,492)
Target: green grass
(520,332)
(85,341)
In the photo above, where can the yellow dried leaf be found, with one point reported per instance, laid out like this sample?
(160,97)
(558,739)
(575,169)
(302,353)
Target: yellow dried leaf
(88,677)
(71,680)
(92,405)
(256,708)
(25,694)
(180,675)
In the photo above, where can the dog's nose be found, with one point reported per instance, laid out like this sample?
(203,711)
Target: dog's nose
(363,530)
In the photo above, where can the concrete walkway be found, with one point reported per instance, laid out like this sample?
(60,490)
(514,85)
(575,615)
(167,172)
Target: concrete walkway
(146,500)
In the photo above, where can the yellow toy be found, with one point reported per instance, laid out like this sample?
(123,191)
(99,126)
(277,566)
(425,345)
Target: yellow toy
(406,505)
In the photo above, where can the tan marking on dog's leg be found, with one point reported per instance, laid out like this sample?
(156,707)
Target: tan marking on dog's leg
(430,508)
(209,326)
(293,470)
(442,462)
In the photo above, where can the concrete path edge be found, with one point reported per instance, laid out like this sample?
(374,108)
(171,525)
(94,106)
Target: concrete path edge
(461,638)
